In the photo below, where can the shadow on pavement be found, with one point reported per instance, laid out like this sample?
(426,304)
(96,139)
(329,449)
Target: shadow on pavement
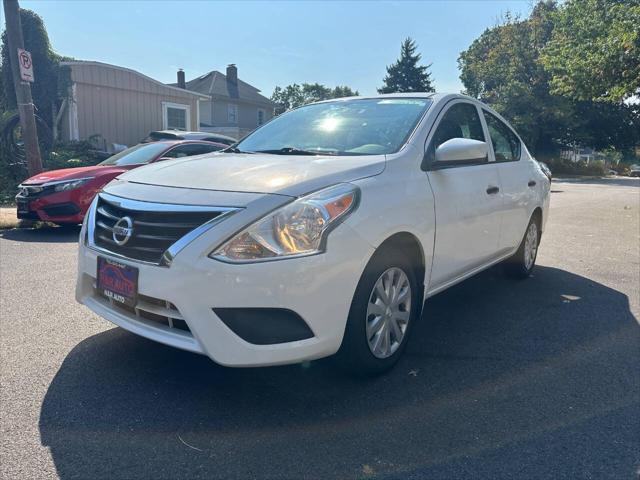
(43,234)
(502,379)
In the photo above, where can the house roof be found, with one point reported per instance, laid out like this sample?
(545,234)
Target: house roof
(124,69)
(215,83)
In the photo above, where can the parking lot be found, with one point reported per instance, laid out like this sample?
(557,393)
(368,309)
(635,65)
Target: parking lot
(501,379)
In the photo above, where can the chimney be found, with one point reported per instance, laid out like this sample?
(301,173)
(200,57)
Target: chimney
(232,73)
(181,82)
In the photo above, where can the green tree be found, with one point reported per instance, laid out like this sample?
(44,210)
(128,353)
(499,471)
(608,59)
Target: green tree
(51,79)
(501,68)
(287,98)
(594,52)
(342,91)
(295,95)
(406,75)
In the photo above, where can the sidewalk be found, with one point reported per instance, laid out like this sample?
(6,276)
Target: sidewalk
(8,218)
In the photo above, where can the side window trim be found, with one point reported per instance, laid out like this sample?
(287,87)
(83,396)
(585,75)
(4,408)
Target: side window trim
(426,164)
(508,127)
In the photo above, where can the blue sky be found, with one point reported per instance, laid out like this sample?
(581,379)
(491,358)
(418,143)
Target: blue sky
(273,43)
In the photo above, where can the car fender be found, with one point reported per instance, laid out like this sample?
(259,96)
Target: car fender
(384,211)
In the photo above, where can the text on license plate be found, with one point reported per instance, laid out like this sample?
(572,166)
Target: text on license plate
(117,281)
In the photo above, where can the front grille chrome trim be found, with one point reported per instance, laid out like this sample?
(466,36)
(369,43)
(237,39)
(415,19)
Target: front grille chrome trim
(102,211)
(166,256)
(104,225)
(143,206)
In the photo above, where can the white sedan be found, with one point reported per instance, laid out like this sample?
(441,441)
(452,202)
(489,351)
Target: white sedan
(322,232)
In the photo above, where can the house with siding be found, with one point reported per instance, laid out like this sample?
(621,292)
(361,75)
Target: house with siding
(234,108)
(122,106)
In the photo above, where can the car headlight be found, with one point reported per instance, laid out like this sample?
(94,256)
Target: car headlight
(64,185)
(299,228)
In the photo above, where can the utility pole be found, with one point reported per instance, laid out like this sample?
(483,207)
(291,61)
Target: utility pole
(22,88)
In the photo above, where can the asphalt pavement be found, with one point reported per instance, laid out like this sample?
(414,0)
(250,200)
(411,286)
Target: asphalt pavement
(501,379)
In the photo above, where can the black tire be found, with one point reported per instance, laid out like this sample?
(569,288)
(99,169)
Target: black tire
(355,355)
(518,266)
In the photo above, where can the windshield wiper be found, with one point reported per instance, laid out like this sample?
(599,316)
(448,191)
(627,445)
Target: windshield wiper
(293,151)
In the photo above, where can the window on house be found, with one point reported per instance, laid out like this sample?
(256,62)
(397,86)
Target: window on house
(260,116)
(232,113)
(176,116)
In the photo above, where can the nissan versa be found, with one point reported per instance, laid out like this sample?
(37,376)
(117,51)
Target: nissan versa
(322,232)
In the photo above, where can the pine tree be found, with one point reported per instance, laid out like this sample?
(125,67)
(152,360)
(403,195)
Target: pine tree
(406,75)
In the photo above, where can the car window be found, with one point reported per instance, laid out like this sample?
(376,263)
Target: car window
(208,149)
(189,150)
(142,153)
(460,121)
(506,145)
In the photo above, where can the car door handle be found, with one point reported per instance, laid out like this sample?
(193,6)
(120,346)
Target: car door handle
(492,190)
(532,183)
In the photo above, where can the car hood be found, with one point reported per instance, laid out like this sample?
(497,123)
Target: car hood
(72,174)
(292,175)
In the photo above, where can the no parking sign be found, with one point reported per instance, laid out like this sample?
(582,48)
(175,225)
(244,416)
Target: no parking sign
(26,66)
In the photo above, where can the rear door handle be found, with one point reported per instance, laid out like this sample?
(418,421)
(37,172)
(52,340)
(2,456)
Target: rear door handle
(532,183)
(492,190)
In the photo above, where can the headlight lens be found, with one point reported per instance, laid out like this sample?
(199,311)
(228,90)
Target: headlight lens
(63,186)
(299,228)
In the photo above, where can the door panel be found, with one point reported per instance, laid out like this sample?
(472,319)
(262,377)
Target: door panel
(515,173)
(518,198)
(468,200)
(467,220)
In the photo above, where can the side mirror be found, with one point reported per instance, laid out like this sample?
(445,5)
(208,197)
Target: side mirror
(459,151)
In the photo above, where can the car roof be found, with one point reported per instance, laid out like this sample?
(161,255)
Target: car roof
(179,141)
(193,135)
(435,96)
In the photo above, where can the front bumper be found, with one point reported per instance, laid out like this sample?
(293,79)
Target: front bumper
(318,288)
(60,207)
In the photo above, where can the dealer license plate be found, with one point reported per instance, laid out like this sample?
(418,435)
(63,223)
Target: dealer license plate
(117,281)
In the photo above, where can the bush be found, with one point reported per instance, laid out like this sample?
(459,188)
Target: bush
(72,154)
(568,167)
(623,169)
(63,155)
(7,181)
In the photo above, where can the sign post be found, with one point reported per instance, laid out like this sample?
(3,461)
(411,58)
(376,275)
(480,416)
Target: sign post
(22,71)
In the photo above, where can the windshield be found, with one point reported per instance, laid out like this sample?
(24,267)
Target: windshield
(136,155)
(348,127)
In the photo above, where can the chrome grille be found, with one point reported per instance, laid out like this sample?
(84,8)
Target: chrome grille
(154,228)
(153,309)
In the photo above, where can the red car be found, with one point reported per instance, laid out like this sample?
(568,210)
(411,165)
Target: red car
(63,196)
